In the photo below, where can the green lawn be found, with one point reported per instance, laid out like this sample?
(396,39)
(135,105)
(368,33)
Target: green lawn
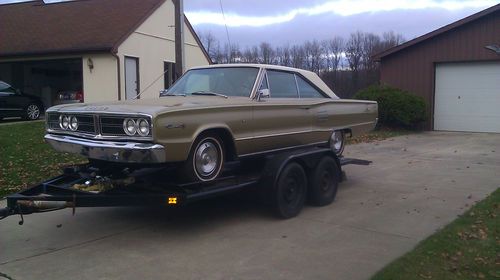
(468,248)
(26,159)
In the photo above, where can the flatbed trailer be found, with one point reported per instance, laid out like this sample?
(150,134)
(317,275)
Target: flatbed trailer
(284,180)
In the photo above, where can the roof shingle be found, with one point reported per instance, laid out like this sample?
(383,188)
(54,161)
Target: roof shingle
(35,28)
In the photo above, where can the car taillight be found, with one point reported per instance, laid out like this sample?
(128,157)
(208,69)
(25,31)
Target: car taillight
(79,95)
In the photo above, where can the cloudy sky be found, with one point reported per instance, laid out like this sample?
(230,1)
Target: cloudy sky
(280,22)
(293,21)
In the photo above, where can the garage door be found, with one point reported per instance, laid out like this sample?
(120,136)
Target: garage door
(467,97)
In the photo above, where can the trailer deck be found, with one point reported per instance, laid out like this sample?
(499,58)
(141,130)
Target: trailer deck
(152,186)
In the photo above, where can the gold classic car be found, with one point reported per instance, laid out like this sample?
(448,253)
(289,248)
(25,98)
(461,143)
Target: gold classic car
(210,116)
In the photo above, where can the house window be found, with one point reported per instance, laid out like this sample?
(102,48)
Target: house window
(168,74)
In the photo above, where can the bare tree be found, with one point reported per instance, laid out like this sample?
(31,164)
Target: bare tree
(266,53)
(282,55)
(218,54)
(313,55)
(209,41)
(371,45)
(390,39)
(354,50)
(297,56)
(336,52)
(233,53)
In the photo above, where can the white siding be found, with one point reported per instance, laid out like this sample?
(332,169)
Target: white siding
(100,84)
(467,97)
(153,43)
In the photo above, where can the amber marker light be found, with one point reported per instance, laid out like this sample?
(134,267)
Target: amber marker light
(172,200)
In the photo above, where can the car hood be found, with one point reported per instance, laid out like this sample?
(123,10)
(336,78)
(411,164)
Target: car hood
(152,106)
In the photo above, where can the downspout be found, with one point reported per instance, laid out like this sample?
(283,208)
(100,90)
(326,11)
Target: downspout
(114,54)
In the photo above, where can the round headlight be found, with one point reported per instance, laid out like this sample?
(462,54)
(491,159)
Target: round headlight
(73,124)
(143,127)
(64,121)
(130,127)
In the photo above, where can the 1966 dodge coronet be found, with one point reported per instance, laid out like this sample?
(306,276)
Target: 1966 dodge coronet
(211,115)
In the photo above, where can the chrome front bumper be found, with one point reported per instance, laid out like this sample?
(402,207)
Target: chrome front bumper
(124,152)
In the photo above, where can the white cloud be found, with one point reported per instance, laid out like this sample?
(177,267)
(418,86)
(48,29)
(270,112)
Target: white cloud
(338,7)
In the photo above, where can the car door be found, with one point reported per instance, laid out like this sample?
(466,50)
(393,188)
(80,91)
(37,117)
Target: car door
(11,103)
(281,120)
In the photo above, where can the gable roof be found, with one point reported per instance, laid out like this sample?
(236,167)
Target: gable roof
(36,28)
(438,32)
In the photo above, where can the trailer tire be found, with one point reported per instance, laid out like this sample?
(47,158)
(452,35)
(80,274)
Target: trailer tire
(323,182)
(290,191)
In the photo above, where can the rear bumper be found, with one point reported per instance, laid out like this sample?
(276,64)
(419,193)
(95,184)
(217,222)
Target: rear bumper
(123,152)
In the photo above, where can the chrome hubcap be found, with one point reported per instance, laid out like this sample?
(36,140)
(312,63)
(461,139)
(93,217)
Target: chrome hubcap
(33,112)
(206,159)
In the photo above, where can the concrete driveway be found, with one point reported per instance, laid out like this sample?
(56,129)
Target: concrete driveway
(416,185)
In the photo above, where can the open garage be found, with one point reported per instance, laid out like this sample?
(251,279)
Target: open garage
(456,69)
(53,81)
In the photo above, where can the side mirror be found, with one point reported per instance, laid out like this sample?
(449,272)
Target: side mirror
(263,93)
(163,91)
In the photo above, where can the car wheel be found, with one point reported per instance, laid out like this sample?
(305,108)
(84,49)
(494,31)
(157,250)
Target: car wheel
(337,142)
(323,182)
(290,191)
(32,112)
(205,160)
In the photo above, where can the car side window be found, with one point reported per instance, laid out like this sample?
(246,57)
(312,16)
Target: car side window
(263,84)
(282,84)
(306,90)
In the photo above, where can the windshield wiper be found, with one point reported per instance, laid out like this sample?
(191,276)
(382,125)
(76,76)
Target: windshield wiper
(202,92)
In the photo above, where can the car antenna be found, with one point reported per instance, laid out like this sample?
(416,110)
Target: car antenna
(138,95)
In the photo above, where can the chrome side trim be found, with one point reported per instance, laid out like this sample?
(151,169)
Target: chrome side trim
(124,152)
(273,135)
(283,149)
(302,131)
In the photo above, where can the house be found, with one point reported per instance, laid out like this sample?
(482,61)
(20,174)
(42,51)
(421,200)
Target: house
(106,49)
(456,69)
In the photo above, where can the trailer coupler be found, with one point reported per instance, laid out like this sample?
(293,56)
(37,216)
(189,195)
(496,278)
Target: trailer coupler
(34,206)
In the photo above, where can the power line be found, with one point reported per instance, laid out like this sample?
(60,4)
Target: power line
(225,24)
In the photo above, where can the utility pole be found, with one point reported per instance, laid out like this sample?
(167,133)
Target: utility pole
(179,38)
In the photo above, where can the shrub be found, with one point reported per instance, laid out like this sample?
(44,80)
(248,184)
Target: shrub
(396,108)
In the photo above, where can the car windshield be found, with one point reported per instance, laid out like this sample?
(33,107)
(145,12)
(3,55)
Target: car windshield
(4,85)
(219,81)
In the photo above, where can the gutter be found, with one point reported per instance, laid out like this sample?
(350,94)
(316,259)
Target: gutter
(115,55)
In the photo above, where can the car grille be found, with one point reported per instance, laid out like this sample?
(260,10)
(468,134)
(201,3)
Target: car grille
(85,123)
(112,126)
(91,125)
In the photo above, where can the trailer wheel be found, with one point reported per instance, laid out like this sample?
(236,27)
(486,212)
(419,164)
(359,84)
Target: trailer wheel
(323,182)
(290,191)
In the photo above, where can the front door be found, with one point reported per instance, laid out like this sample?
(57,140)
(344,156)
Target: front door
(131,77)
(282,120)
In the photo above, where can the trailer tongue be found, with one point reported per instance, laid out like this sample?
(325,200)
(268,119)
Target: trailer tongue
(88,186)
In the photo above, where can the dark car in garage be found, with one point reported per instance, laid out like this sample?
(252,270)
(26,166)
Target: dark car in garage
(14,103)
